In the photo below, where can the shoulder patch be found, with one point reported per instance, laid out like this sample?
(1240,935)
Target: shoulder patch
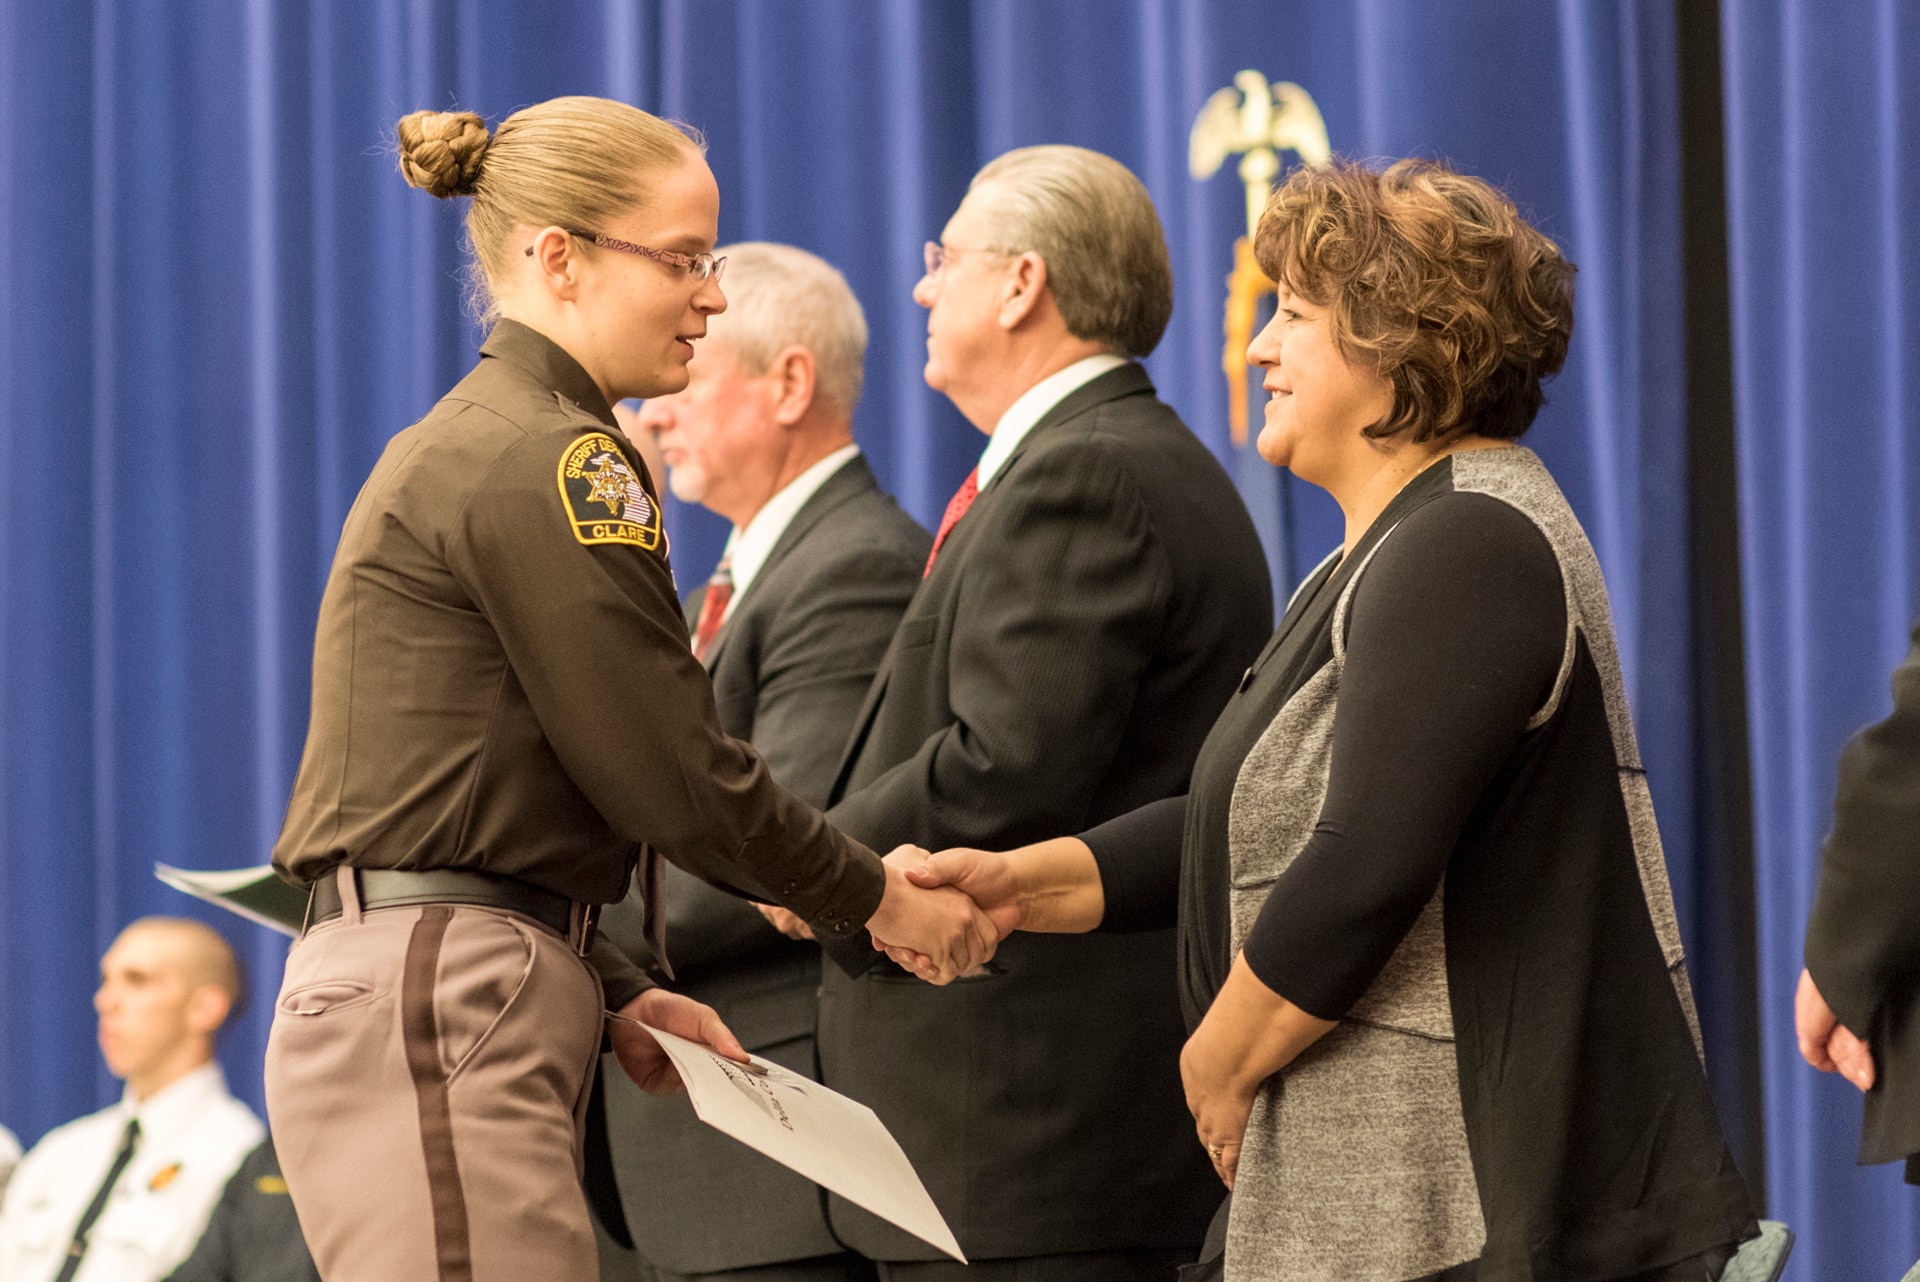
(605,501)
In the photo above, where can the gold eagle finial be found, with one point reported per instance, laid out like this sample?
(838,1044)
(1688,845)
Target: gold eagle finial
(1255,120)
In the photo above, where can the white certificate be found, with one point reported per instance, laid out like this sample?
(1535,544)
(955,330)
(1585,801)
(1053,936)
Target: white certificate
(836,1142)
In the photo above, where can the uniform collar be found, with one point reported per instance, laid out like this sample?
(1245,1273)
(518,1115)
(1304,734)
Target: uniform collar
(549,364)
(1025,413)
(176,1107)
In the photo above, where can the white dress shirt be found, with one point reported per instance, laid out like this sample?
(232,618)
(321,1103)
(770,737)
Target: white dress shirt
(193,1136)
(751,544)
(1033,406)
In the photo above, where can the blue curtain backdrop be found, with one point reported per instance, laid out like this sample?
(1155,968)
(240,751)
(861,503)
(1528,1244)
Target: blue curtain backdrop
(1822,102)
(221,301)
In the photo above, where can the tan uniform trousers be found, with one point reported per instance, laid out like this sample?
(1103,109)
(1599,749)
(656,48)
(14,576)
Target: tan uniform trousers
(426,1083)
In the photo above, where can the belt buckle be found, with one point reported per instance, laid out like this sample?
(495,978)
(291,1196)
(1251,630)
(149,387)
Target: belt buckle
(589,920)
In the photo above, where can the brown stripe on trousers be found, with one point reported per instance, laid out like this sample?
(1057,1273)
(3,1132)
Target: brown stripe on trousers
(422,1036)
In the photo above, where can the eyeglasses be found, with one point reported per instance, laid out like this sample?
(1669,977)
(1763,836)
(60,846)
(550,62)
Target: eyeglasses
(698,266)
(938,256)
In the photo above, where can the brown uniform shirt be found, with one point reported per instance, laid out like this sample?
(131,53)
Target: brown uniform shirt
(501,676)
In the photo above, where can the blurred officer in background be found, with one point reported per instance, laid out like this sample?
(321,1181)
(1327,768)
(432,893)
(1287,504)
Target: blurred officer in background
(122,1195)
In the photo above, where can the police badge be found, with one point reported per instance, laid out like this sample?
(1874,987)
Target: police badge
(604,498)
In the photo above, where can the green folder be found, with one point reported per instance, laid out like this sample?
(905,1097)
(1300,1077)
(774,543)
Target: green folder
(257,894)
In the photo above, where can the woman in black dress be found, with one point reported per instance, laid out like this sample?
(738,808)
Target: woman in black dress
(1441,1022)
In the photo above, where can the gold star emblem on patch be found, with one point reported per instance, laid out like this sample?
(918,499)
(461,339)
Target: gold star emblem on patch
(609,485)
(594,472)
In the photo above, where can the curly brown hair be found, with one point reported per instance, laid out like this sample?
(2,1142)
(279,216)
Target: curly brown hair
(1435,282)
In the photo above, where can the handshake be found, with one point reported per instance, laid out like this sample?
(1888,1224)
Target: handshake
(941,916)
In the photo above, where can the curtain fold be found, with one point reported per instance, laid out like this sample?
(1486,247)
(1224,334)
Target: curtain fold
(222,301)
(1821,152)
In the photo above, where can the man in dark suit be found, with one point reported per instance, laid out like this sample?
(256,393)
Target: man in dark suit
(1858,1008)
(791,628)
(1096,590)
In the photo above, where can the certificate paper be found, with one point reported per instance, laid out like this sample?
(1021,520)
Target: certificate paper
(836,1142)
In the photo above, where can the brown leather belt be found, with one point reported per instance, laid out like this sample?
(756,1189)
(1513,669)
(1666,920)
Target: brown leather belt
(395,888)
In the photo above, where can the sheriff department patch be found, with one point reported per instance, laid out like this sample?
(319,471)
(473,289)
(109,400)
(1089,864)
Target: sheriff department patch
(604,498)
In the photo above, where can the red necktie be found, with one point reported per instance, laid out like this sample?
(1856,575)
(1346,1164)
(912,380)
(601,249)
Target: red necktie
(956,508)
(713,607)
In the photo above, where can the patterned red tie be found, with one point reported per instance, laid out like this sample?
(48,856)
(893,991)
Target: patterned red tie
(713,607)
(956,508)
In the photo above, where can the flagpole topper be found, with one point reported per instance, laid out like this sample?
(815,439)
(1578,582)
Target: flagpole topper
(1256,120)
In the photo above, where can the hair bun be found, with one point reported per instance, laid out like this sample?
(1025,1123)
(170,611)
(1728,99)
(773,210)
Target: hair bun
(440,151)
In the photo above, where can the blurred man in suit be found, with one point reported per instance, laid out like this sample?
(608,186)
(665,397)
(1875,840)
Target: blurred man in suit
(1095,592)
(791,627)
(1858,1008)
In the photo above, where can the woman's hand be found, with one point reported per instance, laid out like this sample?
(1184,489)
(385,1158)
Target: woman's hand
(641,1055)
(1249,1034)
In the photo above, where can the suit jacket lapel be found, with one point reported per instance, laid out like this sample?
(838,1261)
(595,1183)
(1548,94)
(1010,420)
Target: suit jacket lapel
(851,478)
(1125,380)
(1116,384)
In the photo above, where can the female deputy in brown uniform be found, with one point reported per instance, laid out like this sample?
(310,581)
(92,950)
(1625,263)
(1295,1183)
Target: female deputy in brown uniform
(506,721)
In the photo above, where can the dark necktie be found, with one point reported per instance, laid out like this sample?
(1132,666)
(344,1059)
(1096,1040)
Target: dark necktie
(78,1251)
(956,508)
(713,607)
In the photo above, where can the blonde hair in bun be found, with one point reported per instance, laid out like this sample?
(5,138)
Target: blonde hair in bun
(566,162)
(440,151)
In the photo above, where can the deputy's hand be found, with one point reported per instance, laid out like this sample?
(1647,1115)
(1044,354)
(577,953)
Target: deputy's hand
(784,921)
(940,925)
(641,1055)
(1825,1042)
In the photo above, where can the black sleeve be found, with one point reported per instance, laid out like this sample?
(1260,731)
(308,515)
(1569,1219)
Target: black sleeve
(1863,940)
(1138,854)
(1457,631)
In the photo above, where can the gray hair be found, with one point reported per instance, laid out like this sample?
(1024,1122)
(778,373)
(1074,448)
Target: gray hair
(1094,225)
(778,297)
